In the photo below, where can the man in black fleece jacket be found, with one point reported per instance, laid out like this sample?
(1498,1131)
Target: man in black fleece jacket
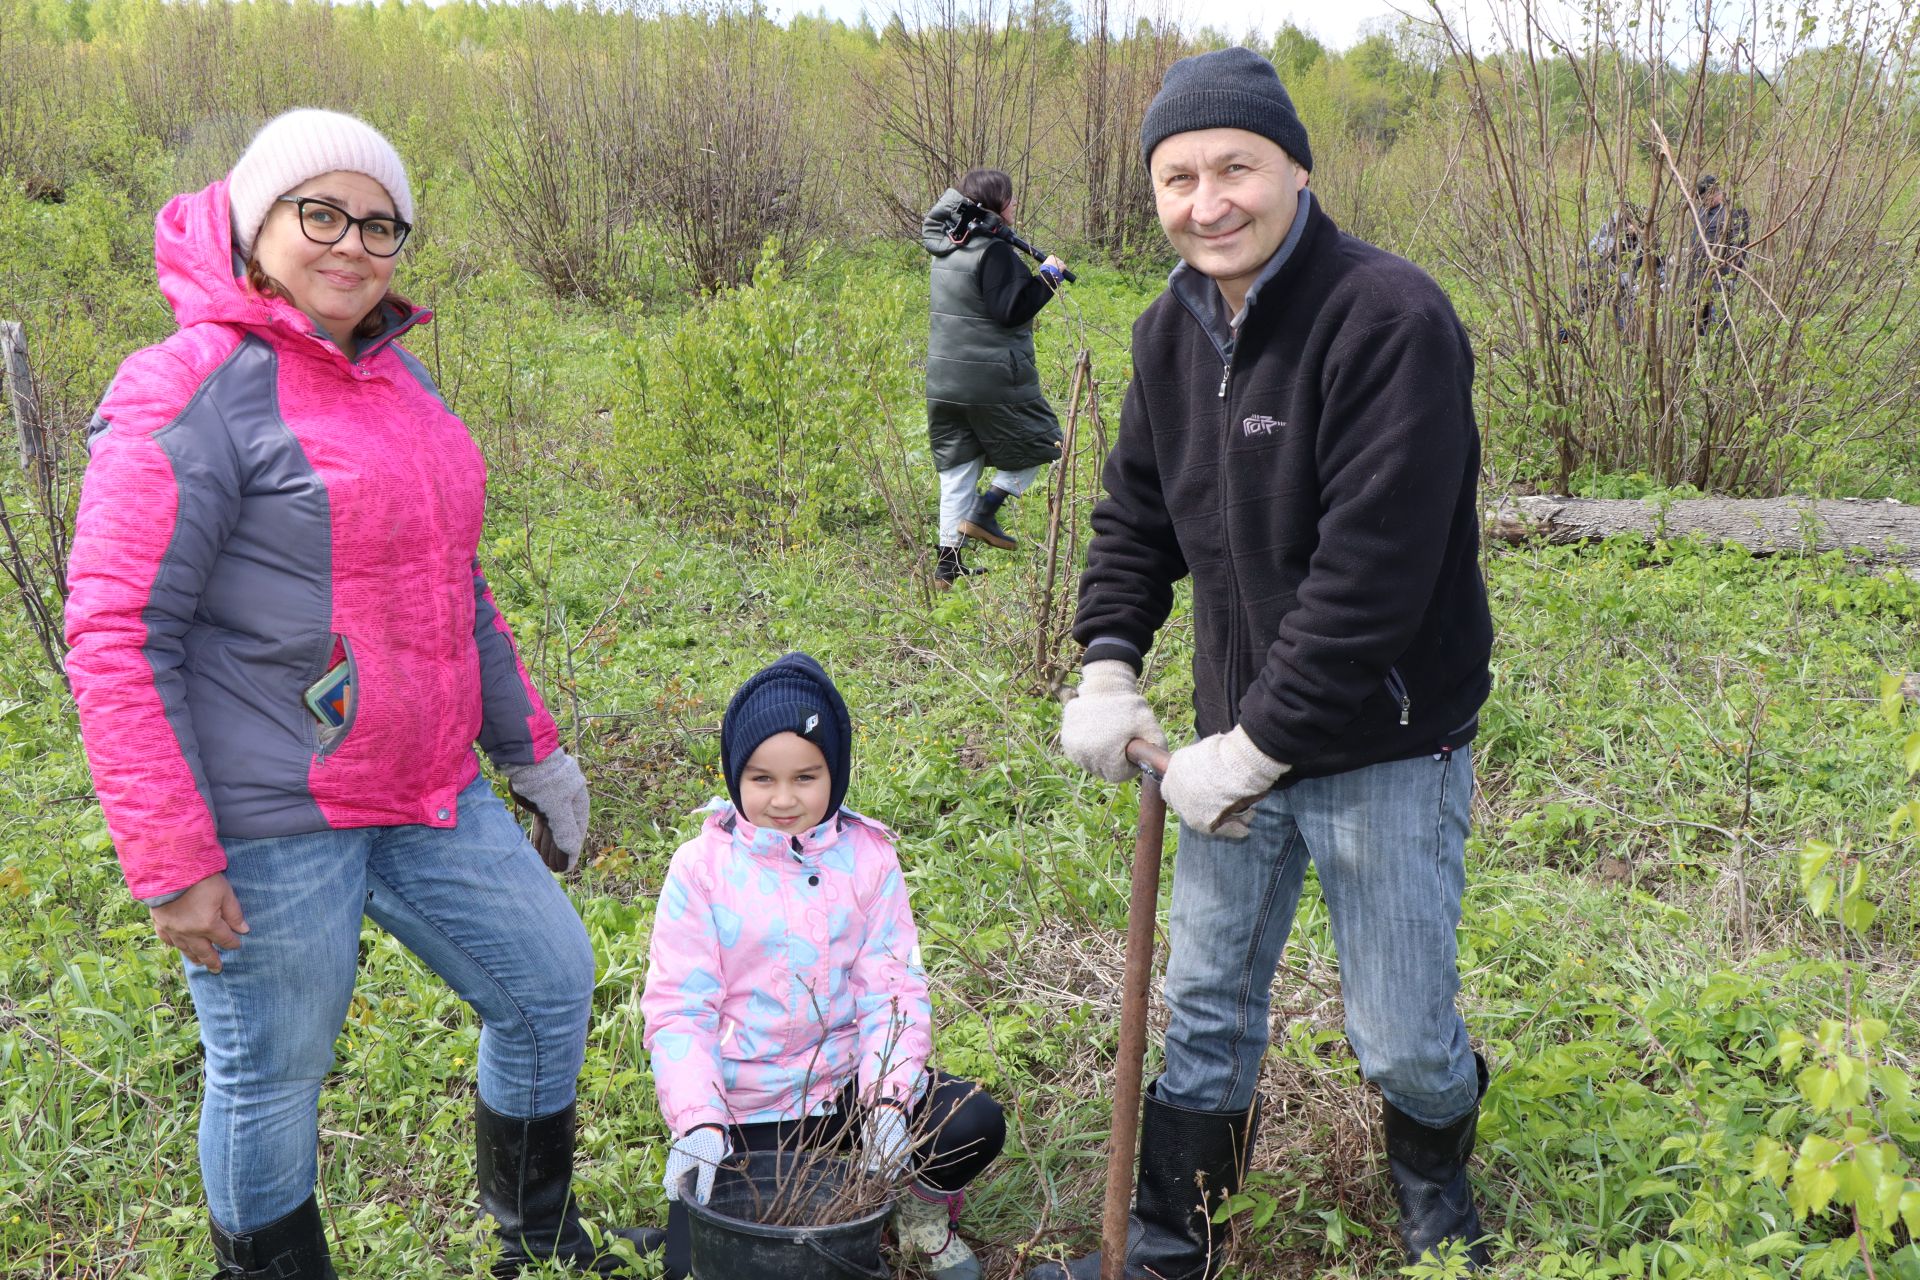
(1298,438)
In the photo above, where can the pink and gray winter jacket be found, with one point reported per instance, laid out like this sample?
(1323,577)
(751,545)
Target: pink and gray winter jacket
(782,968)
(258,508)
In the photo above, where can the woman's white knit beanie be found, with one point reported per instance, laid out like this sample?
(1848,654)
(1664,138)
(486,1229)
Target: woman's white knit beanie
(300,145)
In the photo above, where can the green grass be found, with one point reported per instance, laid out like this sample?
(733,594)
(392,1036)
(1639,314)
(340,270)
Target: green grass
(1629,1009)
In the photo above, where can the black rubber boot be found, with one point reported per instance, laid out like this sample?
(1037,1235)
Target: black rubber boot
(1430,1180)
(950,568)
(981,523)
(526,1183)
(1190,1161)
(293,1248)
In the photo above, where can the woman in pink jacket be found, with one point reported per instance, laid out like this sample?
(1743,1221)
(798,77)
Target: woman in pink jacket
(284,653)
(785,999)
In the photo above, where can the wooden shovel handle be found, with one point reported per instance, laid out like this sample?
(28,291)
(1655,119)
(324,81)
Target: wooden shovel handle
(1149,756)
(1149,838)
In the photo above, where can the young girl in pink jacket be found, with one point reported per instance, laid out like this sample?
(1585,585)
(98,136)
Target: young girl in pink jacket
(785,1002)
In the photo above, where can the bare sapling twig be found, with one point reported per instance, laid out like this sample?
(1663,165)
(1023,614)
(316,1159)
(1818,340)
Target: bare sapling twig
(962,84)
(1634,328)
(894,467)
(829,1174)
(36,525)
(1083,450)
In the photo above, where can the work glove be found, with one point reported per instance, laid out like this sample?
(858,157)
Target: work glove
(703,1149)
(886,1140)
(1213,783)
(556,791)
(1104,717)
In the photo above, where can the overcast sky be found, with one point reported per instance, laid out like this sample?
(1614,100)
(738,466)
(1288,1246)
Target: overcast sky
(1335,22)
(1341,23)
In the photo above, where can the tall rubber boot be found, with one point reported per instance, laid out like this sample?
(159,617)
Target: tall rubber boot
(292,1248)
(1190,1161)
(1429,1169)
(526,1183)
(950,568)
(980,522)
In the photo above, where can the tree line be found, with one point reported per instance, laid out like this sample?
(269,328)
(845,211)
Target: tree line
(603,146)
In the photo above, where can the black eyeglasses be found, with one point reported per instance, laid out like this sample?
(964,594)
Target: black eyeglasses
(325,223)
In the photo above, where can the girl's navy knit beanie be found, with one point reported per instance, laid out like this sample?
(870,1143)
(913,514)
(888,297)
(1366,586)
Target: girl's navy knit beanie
(793,695)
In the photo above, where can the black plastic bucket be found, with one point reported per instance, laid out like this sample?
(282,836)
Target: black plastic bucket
(731,1243)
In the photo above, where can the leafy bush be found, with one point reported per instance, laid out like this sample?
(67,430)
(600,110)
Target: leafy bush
(1849,1147)
(738,421)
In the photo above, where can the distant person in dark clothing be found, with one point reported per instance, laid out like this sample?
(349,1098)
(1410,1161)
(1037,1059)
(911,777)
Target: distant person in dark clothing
(1616,259)
(1719,250)
(984,402)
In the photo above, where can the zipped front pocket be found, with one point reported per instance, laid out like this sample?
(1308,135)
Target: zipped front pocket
(1398,688)
(327,739)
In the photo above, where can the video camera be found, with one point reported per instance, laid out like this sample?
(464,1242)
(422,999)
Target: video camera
(974,217)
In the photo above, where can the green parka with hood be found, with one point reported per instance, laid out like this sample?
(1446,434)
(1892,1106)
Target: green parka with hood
(983,382)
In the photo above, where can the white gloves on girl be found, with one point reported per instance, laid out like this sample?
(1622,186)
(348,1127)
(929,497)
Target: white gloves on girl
(1103,717)
(1213,783)
(703,1149)
(888,1144)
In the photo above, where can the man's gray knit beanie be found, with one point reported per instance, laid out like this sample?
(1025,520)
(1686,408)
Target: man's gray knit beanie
(1225,89)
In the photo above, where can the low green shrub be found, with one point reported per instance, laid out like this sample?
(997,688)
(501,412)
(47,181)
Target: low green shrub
(737,421)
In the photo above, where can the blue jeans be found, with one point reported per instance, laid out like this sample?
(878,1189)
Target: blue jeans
(474,902)
(1389,843)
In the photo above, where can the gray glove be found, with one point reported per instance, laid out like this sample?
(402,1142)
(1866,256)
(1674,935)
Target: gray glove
(1212,783)
(556,791)
(1107,714)
(703,1149)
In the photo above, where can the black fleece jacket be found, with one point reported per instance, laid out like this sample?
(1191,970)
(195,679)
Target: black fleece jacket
(1013,294)
(1317,477)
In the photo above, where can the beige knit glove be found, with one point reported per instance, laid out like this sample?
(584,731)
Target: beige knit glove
(1213,783)
(1104,717)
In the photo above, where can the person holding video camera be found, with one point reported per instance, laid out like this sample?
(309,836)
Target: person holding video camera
(284,653)
(984,402)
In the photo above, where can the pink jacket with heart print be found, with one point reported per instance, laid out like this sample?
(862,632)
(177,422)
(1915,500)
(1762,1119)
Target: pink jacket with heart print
(258,508)
(782,968)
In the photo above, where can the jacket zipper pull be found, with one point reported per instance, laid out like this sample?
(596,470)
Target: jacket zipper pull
(1406,709)
(1226,371)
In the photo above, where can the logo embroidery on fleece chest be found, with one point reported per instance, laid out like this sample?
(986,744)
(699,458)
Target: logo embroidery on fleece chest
(1260,424)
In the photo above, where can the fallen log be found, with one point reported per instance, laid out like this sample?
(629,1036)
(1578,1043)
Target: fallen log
(1878,532)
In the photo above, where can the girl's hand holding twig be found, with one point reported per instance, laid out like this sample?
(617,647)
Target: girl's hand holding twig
(888,1144)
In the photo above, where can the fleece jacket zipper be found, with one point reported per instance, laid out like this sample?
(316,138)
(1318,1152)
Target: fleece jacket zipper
(1226,533)
(1398,688)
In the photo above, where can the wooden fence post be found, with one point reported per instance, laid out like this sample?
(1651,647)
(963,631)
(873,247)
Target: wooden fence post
(18,378)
